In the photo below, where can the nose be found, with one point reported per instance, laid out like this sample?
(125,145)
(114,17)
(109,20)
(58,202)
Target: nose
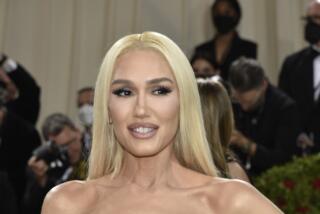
(141,106)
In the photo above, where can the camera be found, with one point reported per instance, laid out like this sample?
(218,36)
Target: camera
(55,157)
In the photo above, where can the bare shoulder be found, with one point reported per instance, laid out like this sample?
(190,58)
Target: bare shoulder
(237,196)
(70,197)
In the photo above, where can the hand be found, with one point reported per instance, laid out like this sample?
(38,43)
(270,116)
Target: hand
(244,143)
(304,141)
(39,168)
(238,139)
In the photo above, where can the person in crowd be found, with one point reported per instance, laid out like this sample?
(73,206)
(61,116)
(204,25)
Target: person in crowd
(18,138)
(300,79)
(266,118)
(60,159)
(149,151)
(8,203)
(217,112)
(203,66)
(85,107)
(22,92)
(226,45)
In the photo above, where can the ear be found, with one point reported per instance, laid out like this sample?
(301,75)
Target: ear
(110,120)
(109,117)
(265,84)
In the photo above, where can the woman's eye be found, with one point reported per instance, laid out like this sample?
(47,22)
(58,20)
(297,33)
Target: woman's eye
(161,91)
(122,92)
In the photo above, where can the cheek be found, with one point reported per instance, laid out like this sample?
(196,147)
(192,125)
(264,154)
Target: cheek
(167,111)
(75,147)
(119,109)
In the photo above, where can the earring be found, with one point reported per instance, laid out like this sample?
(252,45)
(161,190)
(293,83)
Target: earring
(109,121)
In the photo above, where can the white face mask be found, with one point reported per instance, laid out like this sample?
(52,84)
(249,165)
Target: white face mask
(86,115)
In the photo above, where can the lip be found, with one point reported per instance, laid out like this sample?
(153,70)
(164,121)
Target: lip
(143,135)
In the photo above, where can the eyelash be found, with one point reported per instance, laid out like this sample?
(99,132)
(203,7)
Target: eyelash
(161,90)
(125,92)
(122,92)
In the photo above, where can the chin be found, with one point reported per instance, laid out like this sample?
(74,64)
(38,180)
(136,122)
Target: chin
(143,151)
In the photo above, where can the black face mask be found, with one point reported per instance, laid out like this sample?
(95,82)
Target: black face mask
(312,32)
(224,24)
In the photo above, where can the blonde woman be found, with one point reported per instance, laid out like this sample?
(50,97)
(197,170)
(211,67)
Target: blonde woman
(219,124)
(149,152)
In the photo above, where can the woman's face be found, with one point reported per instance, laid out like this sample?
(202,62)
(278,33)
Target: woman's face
(144,103)
(202,68)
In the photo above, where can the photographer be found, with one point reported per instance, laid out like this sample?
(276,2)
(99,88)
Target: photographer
(60,159)
(22,91)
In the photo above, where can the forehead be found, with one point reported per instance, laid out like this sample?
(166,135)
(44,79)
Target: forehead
(223,6)
(85,97)
(314,8)
(149,63)
(64,136)
(201,62)
(86,94)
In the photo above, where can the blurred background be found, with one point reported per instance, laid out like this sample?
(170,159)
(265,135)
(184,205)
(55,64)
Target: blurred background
(62,42)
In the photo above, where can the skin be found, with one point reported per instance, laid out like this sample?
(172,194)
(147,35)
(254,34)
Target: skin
(67,138)
(2,114)
(202,68)
(313,11)
(152,180)
(224,8)
(237,172)
(85,97)
(249,100)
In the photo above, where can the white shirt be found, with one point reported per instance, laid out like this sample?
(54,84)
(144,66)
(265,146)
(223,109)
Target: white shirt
(316,75)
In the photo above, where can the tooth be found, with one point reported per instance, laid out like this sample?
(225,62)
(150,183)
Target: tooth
(143,130)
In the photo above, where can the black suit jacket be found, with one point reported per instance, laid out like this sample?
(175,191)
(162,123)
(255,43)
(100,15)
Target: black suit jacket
(239,47)
(296,79)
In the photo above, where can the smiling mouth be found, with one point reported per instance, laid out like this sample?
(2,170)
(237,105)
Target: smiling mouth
(143,131)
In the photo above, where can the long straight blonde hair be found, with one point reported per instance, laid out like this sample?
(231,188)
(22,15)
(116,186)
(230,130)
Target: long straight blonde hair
(191,147)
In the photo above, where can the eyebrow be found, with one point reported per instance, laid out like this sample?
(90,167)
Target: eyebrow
(153,81)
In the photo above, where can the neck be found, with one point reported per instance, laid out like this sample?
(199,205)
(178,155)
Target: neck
(226,37)
(150,172)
